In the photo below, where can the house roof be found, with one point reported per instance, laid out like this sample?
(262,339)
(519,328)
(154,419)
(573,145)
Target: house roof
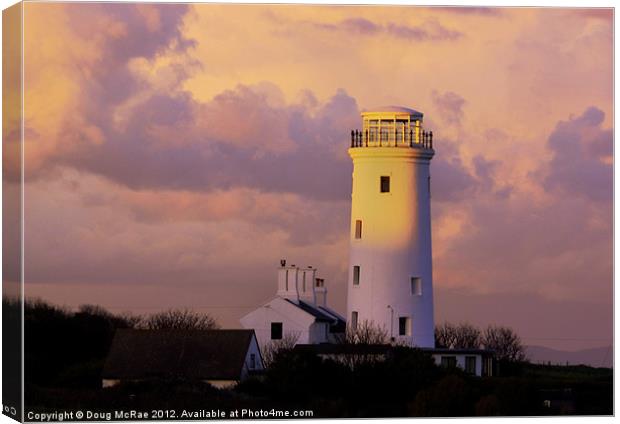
(186,354)
(340,324)
(312,310)
(458,351)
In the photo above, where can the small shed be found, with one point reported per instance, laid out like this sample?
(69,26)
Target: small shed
(219,357)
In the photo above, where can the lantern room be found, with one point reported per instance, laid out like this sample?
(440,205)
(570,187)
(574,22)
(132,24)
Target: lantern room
(392,126)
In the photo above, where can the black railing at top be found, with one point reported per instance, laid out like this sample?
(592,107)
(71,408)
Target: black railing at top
(424,139)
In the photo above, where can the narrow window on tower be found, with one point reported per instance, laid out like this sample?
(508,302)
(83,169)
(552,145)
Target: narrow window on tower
(429,186)
(354,320)
(356,275)
(358,229)
(276,331)
(416,286)
(385,184)
(404,326)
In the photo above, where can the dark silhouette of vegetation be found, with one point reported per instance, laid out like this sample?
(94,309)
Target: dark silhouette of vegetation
(12,355)
(178,319)
(272,349)
(68,349)
(462,336)
(505,343)
(364,333)
(65,352)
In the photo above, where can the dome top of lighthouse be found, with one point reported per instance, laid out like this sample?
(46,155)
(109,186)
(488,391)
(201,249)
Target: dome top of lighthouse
(396,110)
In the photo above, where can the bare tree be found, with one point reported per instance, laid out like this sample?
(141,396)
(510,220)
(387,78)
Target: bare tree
(505,342)
(273,348)
(365,333)
(461,336)
(360,340)
(467,336)
(179,319)
(445,335)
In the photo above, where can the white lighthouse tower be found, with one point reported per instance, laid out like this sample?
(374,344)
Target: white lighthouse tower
(390,267)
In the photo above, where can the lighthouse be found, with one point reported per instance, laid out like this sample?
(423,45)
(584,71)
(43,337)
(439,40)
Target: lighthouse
(390,282)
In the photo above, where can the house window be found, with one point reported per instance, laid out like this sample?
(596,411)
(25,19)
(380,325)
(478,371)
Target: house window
(356,275)
(304,282)
(276,331)
(286,283)
(470,364)
(252,360)
(416,286)
(358,229)
(385,184)
(404,326)
(487,367)
(448,361)
(354,320)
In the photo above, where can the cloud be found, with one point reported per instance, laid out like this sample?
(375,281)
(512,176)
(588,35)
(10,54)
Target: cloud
(430,30)
(83,68)
(450,107)
(483,11)
(582,157)
(546,245)
(236,140)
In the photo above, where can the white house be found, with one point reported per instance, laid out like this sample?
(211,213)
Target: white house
(299,310)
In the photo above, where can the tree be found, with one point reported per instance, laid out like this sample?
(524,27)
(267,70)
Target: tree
(505,342)
(365,333)
(461,336)
(273,348)
(467,337)
(445,335)
(359,338)
(179,319)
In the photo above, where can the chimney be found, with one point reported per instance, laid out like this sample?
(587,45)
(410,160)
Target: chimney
(306,284)
(320,292)
(288,277)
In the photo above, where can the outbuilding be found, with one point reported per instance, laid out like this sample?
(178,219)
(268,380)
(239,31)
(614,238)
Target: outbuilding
(221,358)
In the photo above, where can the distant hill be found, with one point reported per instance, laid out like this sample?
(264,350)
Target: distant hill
(597,357)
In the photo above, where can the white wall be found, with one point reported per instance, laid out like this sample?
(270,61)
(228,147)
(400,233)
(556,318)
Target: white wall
(395,243)
(247,365)
(294,321)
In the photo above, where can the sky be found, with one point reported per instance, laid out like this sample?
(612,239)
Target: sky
(175,153)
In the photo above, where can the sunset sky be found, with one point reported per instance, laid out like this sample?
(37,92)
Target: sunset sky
(175,153)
